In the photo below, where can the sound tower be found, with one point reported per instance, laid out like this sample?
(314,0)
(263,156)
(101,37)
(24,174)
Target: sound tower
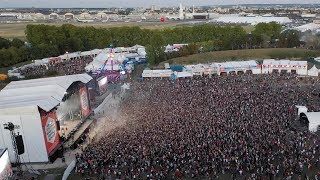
(20,145)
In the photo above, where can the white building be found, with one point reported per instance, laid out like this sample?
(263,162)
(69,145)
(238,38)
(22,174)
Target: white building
(253,20)
(54,16)
(69,16)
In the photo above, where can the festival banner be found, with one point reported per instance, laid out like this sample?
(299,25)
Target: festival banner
(50,131)
(84,102)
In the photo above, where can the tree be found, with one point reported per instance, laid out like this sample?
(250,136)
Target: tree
(290,38)
(311,40)
(264,33)
(17,43)
(5,57)
(4,43)
(151,55)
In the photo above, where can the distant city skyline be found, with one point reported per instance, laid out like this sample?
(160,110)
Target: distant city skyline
(136,3)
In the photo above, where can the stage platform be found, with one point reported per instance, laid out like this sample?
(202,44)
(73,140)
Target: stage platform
(72,139)
(68,126)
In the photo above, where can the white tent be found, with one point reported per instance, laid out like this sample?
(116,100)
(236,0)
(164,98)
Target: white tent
(307,27)
(269,65)
(197,69)
(313,71)
(156,73)
(252,20)
(238,66)
(183,74)
(99,61)
(314,120)
(301,109)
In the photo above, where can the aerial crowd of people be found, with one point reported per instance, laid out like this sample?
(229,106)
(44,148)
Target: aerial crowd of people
(235,127)
(63,67)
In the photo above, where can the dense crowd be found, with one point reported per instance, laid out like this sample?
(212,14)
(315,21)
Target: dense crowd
(66,67)
(236,127)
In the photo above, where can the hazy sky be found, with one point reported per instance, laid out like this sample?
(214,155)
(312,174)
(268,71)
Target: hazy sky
(138,3)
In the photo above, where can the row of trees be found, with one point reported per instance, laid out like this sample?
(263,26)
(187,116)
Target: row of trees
(12,52)
(73,38)
(47,41)
(16,51)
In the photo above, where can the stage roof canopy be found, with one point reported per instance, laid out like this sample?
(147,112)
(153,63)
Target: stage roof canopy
(45,92)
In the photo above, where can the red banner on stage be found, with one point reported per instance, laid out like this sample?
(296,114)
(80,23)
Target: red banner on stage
(50,131)
(84,102)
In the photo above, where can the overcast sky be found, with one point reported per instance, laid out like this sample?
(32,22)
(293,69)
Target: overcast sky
(138,3)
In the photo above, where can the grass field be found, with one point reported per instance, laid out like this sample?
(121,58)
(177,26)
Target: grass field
(256,54)
(17,30)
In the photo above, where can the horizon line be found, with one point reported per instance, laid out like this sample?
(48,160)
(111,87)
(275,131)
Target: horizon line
(16,7)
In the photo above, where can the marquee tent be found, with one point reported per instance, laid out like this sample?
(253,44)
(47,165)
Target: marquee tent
(156,73)
(301,109)
(314,120)
(237,66)
(199,69)
(313,71)
(307,27)
(183,74)
(269,65)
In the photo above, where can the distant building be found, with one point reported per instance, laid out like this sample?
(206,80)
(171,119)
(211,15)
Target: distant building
(85,16)
(69,16)
(317,20)
(101,15)
(8,17)
(200,15)
(53,16)
(253,20)
(38,16)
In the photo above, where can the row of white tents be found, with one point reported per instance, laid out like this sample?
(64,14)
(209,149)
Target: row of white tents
(100,57)
(236,67)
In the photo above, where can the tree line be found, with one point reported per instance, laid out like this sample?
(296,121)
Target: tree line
(47,40)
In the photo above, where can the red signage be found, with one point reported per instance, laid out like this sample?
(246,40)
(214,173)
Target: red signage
(50,131)
(84,102)
(162,19)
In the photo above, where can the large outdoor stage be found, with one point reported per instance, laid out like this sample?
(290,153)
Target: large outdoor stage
(40,108)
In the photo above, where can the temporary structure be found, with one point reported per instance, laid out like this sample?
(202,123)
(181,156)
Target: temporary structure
(314,120)
(104,60)
(314,71)
(287,66)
